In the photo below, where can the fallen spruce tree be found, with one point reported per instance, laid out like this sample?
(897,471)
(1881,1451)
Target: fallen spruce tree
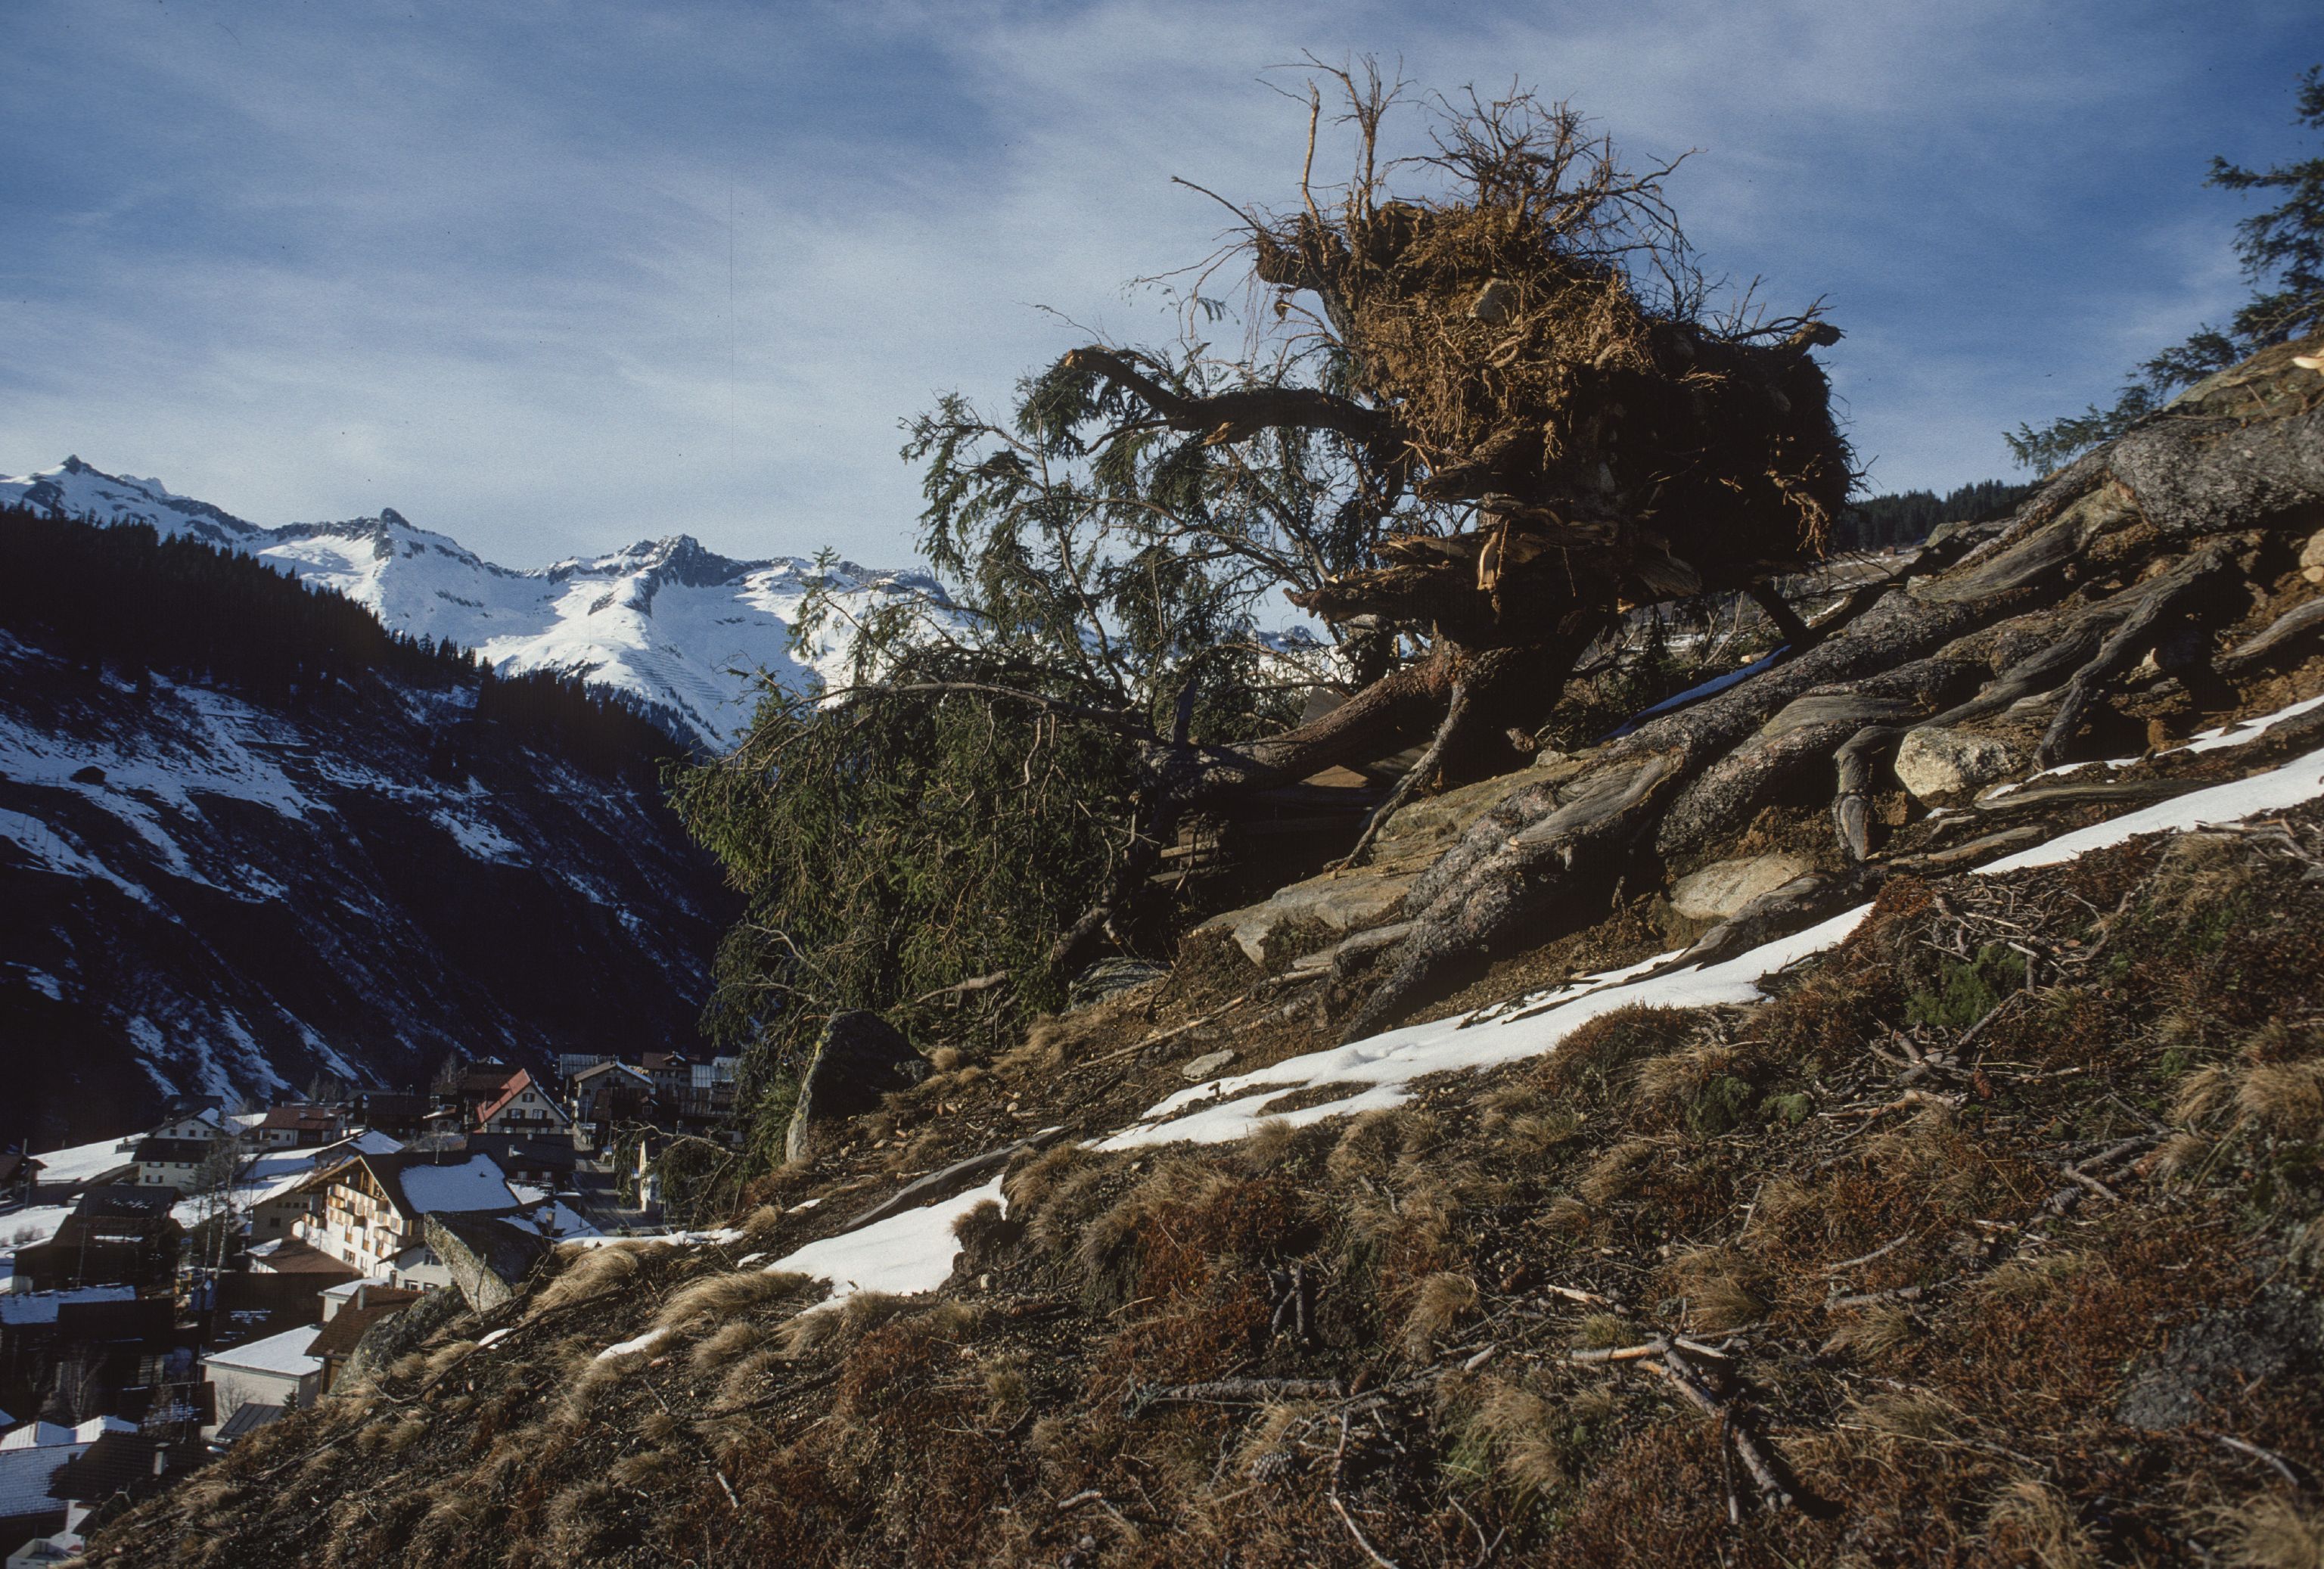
(1496,420)
(1475,424)
(1531,357)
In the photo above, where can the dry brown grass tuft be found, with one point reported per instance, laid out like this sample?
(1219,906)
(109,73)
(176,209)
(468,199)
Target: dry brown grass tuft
(1603,1331)
(1044,1050)
(946,1059)
(1875,1330)
(1108,1252)
(1439,1301)
(1059,1193)
(746,1379)
(955,1320)
(986,1236)
(822,1328)
(1566,1216)
(2199,871)
(656,1426)
(1529,1137)
(2027,1280)
(444,1358)
(1680,1075)
(1909,1414)
(2273,1532)
(1271,1143)
(1262,1453)
(576,1520)
(1497,1107)
(1617,1171)
(1374,1141)
(2285,1098)
(2181,1153)
(915,1154)
(590,1271)
(730,1341)
(2038,1521)
(1007,1391)
(721,1296)
(453,1515)
(1718,1286)
(2202,1096)
(759,1223)
(595,1379)
(1031,1181)
(646,1471)
(1518,1423)
(1783,1199)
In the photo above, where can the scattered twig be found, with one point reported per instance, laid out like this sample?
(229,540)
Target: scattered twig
(974,984)
(2128,1147)
(1575,1294)
(1231,1392)
(1333,1491)
(1991,1014)
(2244,1447)
(1727,1468)
(1625,1354)
(1673,1367)
(1163,1037)
(1866,1299)
(1882,1252)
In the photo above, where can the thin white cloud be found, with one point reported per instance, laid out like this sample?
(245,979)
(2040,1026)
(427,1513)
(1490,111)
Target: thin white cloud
(550,283)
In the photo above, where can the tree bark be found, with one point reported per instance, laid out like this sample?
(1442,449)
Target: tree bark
(2063,597)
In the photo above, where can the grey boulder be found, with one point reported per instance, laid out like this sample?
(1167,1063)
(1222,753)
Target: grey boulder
(861,1059)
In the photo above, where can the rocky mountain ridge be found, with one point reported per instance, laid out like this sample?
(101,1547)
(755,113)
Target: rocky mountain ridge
(218,885)
(676,629)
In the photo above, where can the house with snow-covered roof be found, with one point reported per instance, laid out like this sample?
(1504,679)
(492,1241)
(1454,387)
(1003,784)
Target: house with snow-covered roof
(113,1234)
(281,1369)
(19,1172)
(374,1209)
(298,1126)
(278,1208)
(31,1460)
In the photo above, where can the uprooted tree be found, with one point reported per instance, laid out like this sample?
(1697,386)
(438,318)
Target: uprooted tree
(1473,424)
(1477,428)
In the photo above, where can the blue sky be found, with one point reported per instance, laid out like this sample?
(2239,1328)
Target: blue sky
(552,277)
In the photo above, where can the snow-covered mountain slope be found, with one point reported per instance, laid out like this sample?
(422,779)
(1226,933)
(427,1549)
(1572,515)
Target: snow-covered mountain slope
(204,891)
(679,630)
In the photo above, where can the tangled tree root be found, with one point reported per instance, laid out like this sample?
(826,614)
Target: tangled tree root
(2160,532)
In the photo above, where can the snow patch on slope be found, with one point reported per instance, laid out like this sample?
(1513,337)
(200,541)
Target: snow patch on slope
(1378,1071)
(901,1256)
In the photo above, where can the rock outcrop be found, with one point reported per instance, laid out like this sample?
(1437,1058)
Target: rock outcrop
(860,1060)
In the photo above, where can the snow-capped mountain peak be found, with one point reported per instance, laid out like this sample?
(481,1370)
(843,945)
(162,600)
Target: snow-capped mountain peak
(668,623)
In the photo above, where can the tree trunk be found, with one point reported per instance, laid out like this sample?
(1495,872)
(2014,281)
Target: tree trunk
(2056,603)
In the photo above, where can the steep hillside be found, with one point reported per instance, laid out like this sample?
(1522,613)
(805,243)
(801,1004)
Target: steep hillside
(228,863)
(673,627)
(1954,1201)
